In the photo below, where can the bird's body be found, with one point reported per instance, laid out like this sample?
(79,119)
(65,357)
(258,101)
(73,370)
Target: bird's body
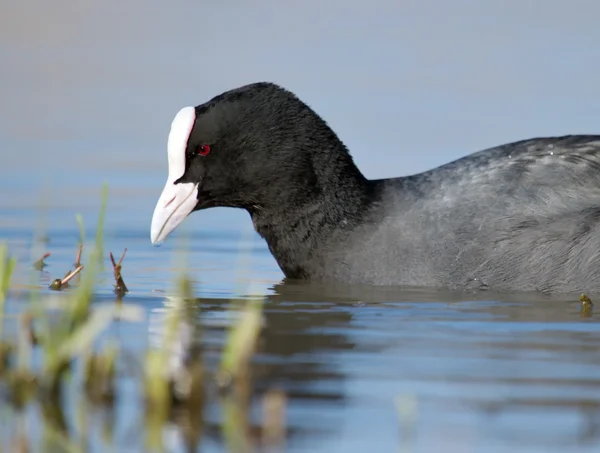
(522,216)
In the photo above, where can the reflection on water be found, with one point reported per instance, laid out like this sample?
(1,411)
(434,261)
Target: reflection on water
(512,373)
(362,367)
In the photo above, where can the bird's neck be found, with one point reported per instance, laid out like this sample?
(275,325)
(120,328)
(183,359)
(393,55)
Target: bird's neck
(304,236)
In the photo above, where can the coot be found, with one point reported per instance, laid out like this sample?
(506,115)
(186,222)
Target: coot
(524,216)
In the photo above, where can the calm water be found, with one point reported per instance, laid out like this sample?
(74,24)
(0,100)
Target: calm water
(474,372)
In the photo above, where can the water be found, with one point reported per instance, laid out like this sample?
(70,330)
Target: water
(479,372)
(88,92)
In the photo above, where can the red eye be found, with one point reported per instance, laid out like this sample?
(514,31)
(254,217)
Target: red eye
(204,150)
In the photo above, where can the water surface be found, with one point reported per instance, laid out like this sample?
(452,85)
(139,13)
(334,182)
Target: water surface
(470,372)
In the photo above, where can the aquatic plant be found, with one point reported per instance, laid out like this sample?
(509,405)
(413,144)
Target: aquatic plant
(169,386)
(7,267)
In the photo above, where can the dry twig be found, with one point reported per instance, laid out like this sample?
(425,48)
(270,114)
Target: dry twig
(120,287)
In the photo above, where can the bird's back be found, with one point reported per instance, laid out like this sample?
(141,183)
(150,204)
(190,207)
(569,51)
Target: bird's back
(521,216)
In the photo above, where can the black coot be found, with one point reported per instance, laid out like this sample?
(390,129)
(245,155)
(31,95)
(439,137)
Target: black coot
(521,216)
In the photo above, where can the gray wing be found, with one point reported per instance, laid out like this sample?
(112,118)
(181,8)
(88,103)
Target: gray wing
(522,216)
(523,168)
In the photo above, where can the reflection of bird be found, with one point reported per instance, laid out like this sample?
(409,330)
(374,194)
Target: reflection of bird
(521,216)
(181,342)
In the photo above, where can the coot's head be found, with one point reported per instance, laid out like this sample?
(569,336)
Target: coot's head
(257,147)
